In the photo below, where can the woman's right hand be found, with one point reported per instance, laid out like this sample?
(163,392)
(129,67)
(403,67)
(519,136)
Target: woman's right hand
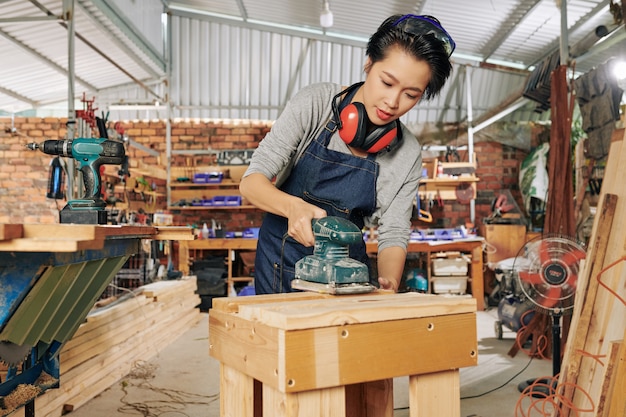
(300,216)
(263,194)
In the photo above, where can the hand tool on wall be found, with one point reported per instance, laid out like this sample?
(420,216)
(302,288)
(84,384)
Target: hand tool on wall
(330,269)
(91,154)
(423,214)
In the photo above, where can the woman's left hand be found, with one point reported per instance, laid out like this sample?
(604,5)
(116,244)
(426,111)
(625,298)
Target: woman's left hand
(388,284)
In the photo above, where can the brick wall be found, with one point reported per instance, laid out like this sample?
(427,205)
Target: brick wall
(24,173)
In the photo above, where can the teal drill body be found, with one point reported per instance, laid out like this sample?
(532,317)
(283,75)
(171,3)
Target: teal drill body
(90,154)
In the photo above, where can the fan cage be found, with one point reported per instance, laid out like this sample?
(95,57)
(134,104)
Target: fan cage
(547,269)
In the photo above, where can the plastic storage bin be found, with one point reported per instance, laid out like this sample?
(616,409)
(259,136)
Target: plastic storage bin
(449,285)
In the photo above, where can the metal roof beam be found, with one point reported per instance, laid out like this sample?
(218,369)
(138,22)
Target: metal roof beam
(294,76)
(555,45)
(242,10)
(618,35)
(455,87)
(130,53)
(511,23)
(99,52)
(18,96)
(115,16)
(44,59)
(272,28)
(22,19)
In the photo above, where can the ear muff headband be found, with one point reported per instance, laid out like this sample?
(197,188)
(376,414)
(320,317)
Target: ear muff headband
(354,130)
(352,124)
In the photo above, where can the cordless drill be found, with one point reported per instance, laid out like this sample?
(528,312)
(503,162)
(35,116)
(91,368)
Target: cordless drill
(90,153)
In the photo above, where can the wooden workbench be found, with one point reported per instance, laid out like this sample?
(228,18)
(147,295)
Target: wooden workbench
(311,355)
(473,246)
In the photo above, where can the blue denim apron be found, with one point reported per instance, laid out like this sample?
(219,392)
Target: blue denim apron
(344,185)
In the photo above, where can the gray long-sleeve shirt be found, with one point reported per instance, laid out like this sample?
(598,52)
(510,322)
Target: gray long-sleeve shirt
(302,121)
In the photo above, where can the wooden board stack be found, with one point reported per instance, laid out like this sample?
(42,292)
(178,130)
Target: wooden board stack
(113,338)
(593,379)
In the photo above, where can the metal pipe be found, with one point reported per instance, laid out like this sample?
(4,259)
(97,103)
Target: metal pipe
(68,15)
(470,133)
(564,48)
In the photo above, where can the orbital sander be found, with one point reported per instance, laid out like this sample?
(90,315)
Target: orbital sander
(330,270)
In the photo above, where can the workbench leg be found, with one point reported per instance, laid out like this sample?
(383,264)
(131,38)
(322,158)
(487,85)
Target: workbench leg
(230,283)
(478,284)
(436,394)
(236,393)
(371,399)
(328,402)
(183,257)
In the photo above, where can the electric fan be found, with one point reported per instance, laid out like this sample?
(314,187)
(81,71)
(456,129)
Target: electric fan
(547,271)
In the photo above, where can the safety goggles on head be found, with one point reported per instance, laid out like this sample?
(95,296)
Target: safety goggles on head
(424,25)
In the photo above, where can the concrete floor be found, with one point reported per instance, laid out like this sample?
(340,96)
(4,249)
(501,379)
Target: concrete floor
(184,381)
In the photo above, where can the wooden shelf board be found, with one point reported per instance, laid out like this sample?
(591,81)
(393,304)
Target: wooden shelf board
(224,183)
(192,208)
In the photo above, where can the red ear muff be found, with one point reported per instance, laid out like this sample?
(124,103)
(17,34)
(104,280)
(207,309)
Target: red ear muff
(353,130)
(353,125)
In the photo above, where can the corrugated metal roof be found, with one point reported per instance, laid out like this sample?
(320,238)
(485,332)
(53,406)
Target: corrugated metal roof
(245,58)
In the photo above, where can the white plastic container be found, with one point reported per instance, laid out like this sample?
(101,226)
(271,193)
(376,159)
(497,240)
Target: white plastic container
(450,266)
(448,285)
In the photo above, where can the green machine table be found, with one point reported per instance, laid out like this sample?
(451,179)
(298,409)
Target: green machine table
(50,277)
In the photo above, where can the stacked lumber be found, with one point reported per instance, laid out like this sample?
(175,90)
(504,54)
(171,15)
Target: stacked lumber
(592,376)
(112,339)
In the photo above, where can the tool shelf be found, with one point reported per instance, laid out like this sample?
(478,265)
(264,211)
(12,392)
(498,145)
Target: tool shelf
(448,180)
(135,195)
(200,186)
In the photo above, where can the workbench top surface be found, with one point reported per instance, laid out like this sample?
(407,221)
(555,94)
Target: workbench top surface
(305,310)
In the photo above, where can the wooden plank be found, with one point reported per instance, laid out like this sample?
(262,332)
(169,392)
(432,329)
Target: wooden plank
(337,310)
(605,308)
(234,340)
(611,361)
(436,394)
(327,402)
(504,240)
(159,324)
(224,244)
(174,233)
(232,304)
(325,357)
(10,231)
(586,294)
(603,327)
(236,393)
(50,244)
(118,361)
(77,237)
(617,405)
(73,238)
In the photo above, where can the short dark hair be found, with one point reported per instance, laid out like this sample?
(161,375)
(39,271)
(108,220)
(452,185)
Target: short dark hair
(424,47)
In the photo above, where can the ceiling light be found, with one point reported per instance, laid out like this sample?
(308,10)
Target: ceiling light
(619,69)
(326,17)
